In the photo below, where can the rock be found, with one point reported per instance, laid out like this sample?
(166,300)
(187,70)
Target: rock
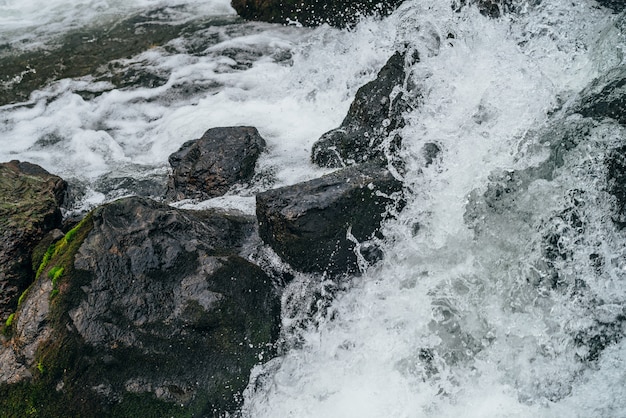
(208,167)
(616,5)
(374,115)
(308,224)
(606,97)
(339,13)
(616,179)
(430,152)
(30,200)
(143,307)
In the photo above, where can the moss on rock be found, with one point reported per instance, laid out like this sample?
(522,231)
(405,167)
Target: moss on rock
(153,314)
(30,200)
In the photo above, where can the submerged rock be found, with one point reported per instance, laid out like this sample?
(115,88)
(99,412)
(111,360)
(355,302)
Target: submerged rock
(338,13)
(568,210)
(616,5)
(30,200)
(210,166)
(316,226)
(142,308)
(606,97)
(495,8)
(367,132)
(616,179)
(95,51)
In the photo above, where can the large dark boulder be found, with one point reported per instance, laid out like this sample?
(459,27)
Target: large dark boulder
(338,13)
(307,224)
(367,132)
(30,200)
(208,167)
(142,310)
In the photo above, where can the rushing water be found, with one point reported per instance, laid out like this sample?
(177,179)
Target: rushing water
(502,273)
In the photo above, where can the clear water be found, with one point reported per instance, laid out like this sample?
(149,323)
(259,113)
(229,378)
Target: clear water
(489,308)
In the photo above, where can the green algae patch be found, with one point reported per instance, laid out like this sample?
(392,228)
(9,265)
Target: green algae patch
(8,325)
(64,250)
(9,322)
(58,265)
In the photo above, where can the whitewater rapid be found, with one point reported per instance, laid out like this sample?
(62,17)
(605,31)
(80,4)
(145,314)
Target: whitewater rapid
(455,321)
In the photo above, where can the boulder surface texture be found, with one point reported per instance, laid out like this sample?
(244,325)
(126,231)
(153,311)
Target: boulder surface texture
(313,225)
(208,167)
(30,200)
(371,120)
(141,310)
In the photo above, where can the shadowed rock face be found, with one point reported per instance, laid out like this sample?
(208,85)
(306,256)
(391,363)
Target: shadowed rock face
(210,166)
(30,200)
(307,224)
(154,306)
(616,5)
(367,132)
(606,97)
(338,13)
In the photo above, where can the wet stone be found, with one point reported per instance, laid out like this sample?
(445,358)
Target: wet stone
(368,132)
(30,200)
(210,166)
(315,226)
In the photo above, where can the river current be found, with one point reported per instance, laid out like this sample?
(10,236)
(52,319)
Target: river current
(502,291)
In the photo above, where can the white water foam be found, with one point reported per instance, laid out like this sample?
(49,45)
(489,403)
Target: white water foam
(245,78)
(449,324)
(30,23)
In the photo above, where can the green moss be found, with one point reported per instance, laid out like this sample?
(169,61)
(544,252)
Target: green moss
(7,329)
(44,260)
(40,250)
(54,274)
(61,245)
(21,298)
(59,267)
(69,237)
(9,320)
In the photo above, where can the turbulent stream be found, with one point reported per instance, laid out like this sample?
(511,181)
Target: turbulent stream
(502,292)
